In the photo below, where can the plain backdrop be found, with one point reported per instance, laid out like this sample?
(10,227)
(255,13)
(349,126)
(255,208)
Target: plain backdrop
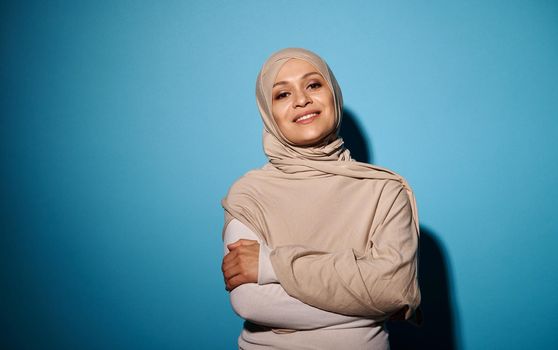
(123,124)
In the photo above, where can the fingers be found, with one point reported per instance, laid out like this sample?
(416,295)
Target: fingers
(241,242)
(241,253)
(235,272)
(235,282)
(232,270)
(235,261)
(230,257)
(226,268)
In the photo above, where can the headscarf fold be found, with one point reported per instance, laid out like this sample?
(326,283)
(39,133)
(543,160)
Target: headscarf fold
(319,198)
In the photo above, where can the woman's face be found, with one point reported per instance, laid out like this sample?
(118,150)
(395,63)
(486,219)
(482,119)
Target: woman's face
(302,103)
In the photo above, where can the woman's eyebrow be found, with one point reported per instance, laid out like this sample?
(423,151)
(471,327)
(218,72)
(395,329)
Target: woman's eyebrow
(304,76)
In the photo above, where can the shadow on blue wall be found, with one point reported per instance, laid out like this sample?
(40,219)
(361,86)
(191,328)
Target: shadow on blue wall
(354,138)
(438,328)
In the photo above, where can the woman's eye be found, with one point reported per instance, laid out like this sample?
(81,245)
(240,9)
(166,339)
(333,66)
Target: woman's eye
(314,85)
(281,95)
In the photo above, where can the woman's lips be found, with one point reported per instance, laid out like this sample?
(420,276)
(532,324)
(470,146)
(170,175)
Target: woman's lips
(308,118)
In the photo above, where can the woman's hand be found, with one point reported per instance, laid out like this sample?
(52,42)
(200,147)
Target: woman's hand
(240,265)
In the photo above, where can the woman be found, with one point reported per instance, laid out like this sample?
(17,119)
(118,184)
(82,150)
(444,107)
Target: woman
(320,250)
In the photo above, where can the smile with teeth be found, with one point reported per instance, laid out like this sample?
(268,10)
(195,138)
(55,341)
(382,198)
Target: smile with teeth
(305,117)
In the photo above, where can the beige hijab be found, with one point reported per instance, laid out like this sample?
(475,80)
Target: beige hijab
(330,219)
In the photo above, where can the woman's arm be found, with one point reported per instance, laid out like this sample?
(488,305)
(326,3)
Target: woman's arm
(268,304)
(376,283)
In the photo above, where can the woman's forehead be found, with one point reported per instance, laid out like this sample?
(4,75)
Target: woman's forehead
(295,69)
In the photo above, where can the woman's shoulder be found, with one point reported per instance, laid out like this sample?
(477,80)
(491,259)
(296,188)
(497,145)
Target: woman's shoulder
(396,193)
(391,186)
(388,178)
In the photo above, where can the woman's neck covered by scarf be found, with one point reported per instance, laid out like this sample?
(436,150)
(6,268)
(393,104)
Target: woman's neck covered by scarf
(278,152)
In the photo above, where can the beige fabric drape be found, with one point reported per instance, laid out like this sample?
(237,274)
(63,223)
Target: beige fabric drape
(344,234)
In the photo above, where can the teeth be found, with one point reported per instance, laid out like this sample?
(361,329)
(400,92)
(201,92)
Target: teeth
(304,117)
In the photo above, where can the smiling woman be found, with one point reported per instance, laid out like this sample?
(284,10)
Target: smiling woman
(302,104)
(320,250)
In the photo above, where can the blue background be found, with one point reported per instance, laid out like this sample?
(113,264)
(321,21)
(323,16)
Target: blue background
(123,125)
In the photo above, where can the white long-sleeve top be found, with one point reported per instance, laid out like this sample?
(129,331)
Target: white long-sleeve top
(276,319)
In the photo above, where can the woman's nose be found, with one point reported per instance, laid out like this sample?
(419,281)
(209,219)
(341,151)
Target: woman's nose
(302,99)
